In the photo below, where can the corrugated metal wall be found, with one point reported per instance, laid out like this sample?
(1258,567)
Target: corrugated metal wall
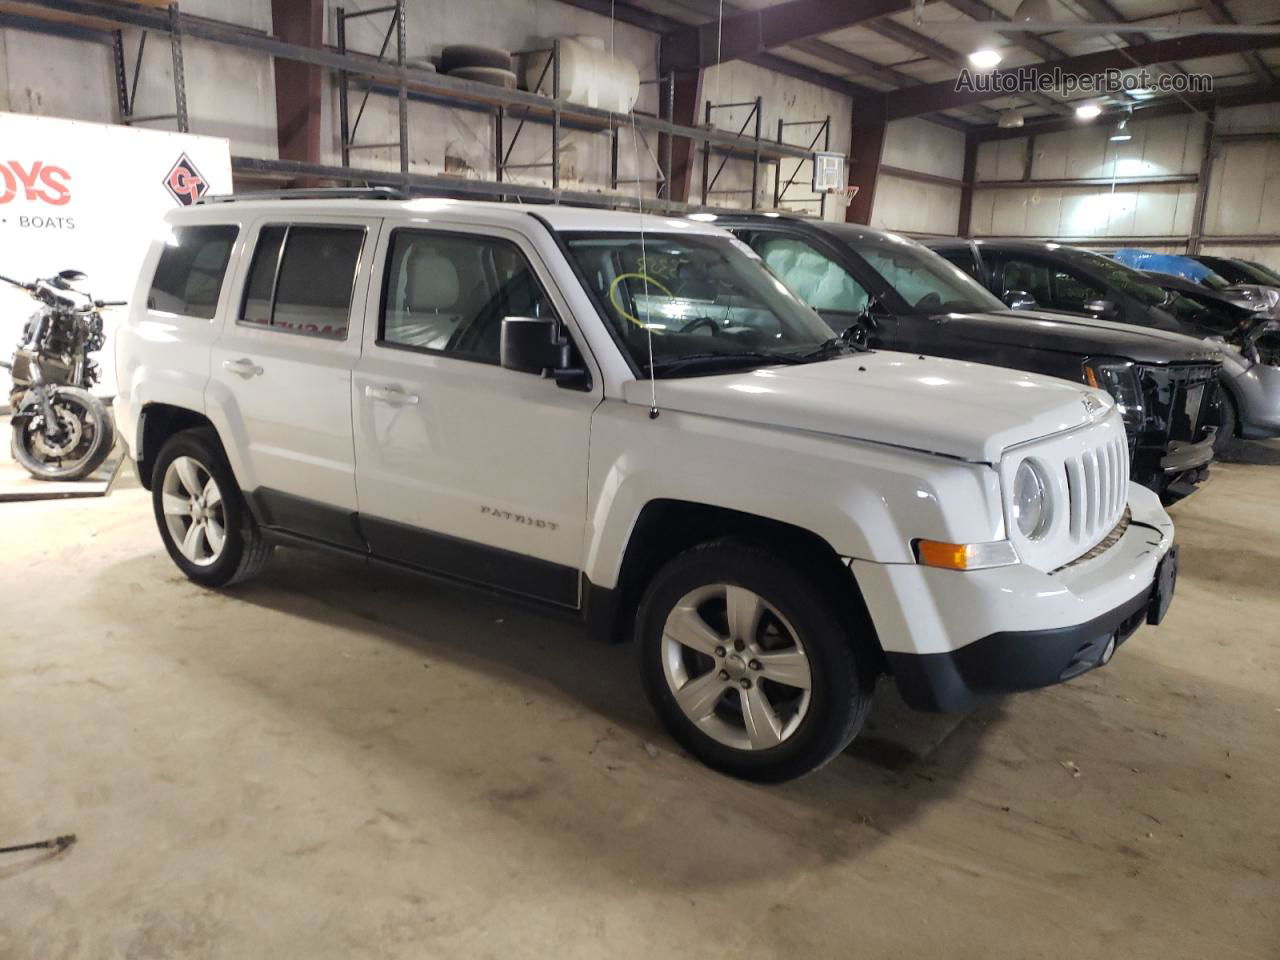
(1243,198)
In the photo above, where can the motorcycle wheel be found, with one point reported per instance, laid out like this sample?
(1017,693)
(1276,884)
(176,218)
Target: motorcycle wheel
(85,441)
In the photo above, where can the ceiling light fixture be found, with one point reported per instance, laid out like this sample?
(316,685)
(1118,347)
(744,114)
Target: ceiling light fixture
(1088,111)
(1011,119)
(986,58)
(1032,11)
(1121,134)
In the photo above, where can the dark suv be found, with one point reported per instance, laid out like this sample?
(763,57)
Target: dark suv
(904,297)
(1067,279)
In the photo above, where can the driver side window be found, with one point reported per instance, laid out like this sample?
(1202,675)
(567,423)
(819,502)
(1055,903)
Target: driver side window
(1053,286)
(449,293)
(816,279)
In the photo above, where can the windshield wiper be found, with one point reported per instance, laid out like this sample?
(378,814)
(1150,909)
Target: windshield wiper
(663,367)
(853,339)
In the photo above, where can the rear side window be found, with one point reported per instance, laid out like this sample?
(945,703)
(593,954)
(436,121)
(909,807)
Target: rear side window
(301,279)
(189,274)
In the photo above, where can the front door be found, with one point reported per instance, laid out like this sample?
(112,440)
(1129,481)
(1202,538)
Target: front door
(464,467)
(282,370)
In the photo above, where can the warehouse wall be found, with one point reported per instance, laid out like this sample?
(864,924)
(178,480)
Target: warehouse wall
(1244,185)
(1159,147)
(456,141)
(786,98)
(911,205)
(1243,196)
(230,93)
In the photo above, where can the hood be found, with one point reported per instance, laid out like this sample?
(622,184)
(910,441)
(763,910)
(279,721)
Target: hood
(1032,329)
(966,410)
(1197,345)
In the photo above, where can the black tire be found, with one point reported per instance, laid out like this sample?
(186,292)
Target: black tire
(1227,423)
(96,428)
(244,550)
(472,55)
(842,677)
(490,75)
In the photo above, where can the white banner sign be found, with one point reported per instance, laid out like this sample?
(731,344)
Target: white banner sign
(89,197)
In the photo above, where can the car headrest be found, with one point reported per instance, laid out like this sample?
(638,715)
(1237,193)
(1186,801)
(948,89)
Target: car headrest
(431,282)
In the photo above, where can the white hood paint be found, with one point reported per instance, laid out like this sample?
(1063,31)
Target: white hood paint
(950,407)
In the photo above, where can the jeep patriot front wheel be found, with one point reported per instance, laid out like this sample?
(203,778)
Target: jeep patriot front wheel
(750,668)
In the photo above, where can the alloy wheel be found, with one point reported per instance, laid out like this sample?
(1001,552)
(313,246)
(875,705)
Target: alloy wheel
(736,667)
(193,511)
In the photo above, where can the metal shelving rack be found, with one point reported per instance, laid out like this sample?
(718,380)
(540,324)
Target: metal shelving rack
(383,75)
(779,188)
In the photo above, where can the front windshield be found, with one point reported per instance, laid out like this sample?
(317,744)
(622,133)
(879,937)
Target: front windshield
(1213,314)
(1141,287)
(705,303)
(1262,274)
(929,283)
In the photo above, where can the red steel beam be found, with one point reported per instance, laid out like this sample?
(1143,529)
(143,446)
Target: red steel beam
(684,111)
(943,96)
(299,86)
(866,143)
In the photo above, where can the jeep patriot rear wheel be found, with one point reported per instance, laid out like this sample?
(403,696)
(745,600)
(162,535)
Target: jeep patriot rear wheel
(748,665)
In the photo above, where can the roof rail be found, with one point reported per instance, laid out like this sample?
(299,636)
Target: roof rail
(312,193)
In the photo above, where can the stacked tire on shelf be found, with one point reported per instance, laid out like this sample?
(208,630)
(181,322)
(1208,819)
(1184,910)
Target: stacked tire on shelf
(482,64)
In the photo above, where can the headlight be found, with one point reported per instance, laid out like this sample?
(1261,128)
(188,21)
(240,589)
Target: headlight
(1030,501)
(1120,379)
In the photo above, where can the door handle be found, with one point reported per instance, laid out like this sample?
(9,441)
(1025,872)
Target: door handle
(244,367)
(392,395)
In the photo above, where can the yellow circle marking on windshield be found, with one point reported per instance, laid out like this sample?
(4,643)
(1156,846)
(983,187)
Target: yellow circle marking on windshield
(613,293)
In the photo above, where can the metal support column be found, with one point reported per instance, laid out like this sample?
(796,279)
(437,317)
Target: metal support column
(179,73)
(122,75)
(866,143)
(401,53)
(755,161)
(555,116)
(344,89)
(964,223)
(1202,183)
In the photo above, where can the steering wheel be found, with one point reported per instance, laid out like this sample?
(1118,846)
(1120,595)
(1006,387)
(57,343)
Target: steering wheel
(930,301)
(697,322)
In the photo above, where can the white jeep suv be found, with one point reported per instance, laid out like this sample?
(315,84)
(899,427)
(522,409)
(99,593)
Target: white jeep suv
(628,416)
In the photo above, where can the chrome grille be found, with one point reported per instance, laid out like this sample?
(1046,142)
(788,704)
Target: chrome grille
(1097,482)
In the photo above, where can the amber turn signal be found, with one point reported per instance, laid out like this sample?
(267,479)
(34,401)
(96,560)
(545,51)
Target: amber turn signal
(965,556)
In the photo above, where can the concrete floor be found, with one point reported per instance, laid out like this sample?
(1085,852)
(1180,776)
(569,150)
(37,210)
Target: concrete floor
(337,762)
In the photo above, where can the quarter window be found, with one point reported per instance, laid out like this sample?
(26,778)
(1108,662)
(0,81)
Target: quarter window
(189,274)
(449,293)
(301,279)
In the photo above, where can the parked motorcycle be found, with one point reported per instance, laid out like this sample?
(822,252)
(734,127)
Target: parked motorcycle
(61,431)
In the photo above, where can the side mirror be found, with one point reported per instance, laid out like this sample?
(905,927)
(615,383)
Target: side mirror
(1106,309)
(72,276)
(534,345)
(1019,300)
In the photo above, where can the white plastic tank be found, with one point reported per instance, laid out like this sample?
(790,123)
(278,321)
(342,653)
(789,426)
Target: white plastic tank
(589,75)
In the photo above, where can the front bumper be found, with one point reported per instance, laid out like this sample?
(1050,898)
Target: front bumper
(1256,391)
(1183,455)
(955,638)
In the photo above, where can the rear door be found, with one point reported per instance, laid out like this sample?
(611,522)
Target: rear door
(281,371)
